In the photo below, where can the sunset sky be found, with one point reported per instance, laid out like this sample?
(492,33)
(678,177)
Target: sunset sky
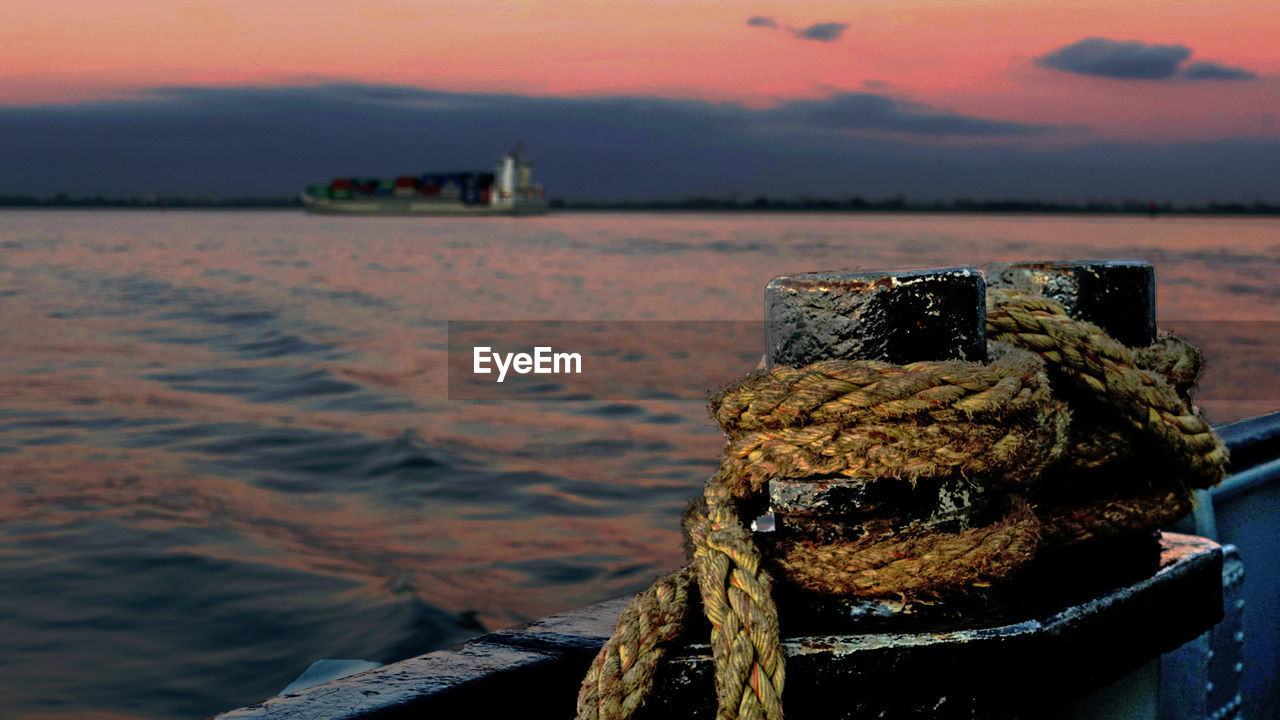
(1065,99)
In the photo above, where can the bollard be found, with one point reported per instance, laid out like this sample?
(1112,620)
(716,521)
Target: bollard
(1118,296)
(897,317)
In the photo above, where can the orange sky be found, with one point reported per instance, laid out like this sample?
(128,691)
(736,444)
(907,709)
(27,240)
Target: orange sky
(969,57)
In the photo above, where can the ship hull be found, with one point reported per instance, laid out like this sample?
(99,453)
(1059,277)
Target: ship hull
(413,207)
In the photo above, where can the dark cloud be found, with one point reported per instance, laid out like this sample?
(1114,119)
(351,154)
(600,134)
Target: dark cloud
(869,111)
(273,141)
(1214,71)
(762,21)
(1134,60)
(823,32)
(1117,59)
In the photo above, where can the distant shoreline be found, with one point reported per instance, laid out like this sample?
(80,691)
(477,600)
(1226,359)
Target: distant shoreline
(854,205)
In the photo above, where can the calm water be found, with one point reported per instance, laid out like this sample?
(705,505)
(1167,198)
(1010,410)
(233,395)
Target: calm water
(226,448)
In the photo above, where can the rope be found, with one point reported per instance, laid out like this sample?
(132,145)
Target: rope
(1075,522)
(915,564)
(1176,360)
(870,419)
(1083,356)
(1003,425)
(621,674)
(737,597)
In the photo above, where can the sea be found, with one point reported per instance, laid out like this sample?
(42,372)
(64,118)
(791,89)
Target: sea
(230,444)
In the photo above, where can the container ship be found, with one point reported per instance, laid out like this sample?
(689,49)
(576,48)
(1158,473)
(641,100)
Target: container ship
(507,190)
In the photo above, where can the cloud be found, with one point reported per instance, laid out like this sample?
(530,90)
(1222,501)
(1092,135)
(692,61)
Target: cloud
(823,32)
(1214,71)
(275,140)
(870,111)
(1117,59)
(1133,60)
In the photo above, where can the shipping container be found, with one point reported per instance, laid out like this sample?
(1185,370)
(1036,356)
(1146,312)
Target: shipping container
(406,186)
(478,188)
(450,189)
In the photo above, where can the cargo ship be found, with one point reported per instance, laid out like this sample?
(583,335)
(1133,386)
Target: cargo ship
(507,190)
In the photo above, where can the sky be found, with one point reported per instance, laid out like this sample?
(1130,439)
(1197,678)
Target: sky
(1065,100)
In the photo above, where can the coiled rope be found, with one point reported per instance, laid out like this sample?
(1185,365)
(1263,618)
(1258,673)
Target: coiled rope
(1129,383)
(1005,424)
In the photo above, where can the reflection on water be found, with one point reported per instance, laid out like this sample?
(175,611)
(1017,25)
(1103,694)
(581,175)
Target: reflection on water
(227,449)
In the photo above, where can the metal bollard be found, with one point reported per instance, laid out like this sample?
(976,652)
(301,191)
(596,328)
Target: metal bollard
(1118,296)
(898,317)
